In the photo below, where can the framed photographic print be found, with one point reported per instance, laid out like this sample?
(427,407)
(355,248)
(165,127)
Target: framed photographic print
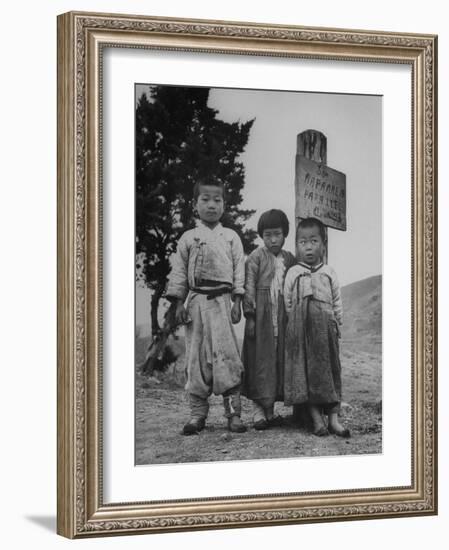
(246,274)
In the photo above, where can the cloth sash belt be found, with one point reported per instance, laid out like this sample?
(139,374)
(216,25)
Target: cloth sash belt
(212,293)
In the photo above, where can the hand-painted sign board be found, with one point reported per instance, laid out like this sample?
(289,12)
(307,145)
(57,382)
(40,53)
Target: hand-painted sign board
(320,193)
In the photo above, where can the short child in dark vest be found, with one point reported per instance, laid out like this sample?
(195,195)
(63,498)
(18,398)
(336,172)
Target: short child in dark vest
(314,308)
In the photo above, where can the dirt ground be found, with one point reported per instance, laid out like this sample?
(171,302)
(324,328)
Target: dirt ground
(162,410)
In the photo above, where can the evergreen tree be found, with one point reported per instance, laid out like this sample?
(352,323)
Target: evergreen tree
(178,141)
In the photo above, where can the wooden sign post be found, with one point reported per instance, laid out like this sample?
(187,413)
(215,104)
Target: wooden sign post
(320,192)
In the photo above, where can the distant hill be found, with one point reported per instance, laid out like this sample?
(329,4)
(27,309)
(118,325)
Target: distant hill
(362,311)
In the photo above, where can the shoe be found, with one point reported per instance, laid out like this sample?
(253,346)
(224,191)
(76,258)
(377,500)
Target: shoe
(236,425)
(275,421)
(194,426)
(343,432)
(261,424)
(320,431)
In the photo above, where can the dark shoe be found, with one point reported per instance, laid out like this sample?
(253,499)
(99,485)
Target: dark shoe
(320,431)
(194,426)
(261,424)
(343,432)
(275,422)
(236,425)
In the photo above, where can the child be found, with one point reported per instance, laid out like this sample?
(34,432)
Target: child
(208,268)
(313,303)
(263,307)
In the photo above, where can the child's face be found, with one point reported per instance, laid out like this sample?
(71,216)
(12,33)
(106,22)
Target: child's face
(273,239)
(210,204)
(310,245)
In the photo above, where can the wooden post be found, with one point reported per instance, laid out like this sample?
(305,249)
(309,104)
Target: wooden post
(312,145)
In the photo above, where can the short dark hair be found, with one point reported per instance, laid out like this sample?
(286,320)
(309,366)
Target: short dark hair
(312,222)
(272,219)
(213,183)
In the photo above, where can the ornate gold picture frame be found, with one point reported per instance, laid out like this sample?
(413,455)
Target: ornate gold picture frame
(82,509)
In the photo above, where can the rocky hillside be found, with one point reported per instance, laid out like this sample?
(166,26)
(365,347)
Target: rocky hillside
(362,305)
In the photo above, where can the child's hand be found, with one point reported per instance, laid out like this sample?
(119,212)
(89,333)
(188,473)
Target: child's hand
(236,312)
(250,327)
(182,317)
(338,331)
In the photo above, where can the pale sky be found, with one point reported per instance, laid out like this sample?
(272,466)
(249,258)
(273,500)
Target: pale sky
(353,127)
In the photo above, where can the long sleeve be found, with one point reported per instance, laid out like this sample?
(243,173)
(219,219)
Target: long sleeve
(337,304)
(238,261)
(289,284)
(178,285)
(251,274)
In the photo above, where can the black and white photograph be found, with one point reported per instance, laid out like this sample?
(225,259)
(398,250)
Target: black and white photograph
(258,301)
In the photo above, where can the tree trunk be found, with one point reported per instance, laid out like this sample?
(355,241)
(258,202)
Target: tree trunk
(155,299)
(159,340)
